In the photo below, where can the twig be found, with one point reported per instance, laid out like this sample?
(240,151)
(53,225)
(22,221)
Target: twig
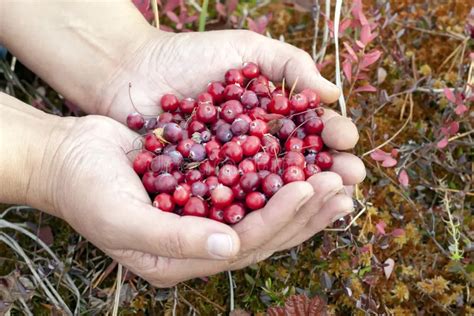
(460,135)
(154,6)
(203,16)
(450,35)
(194,4)
(118,288)
(315,13)
(219,307)
(397,132)
(175,300)
(327,11)
(231,290)
(337,16)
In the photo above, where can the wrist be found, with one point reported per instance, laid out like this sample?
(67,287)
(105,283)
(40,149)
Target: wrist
(29,142)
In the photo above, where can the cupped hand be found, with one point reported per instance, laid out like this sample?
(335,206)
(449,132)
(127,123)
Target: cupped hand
(97,192)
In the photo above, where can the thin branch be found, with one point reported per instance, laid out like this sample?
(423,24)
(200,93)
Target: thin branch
(154,6)
(337,16)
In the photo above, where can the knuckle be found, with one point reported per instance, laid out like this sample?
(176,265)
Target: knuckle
(174,245)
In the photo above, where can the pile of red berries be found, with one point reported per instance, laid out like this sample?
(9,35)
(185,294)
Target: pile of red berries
(227,152)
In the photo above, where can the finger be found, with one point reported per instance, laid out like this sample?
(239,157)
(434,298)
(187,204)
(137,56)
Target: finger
(349,167)
(280,60)
(339,132)
(258,227)
(338,206)
(325,185)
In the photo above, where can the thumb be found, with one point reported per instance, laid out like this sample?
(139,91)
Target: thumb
(280,60)
(152,231)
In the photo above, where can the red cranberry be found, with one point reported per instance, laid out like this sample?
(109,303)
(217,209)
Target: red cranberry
(224,133)
(234,76)
(181,194)
(271,184)
(311,169)
(255,200)
(228,175)
(195,207)
(280,92)
(230,110)
(172,132)
(250,70)
(162,163)
(178,175)
(324,160)
(207,169)
(233,151)
(184,147)
(216,214)
(249,99)
(206,113)
(141,163)
(313,143)
(153,144)
(292,174)
(314,126)
(212,144)
(257,114)
(312,97)
(215,157)
(148,181)
(233,92)
(251,146)
(294,144)
(176,157)
(193,176)
(205,97)
(319,111)
(247,165)
(216,90)
(300,133)
(164,202)
(240,139)
(135,121)
(276,165)
(169,103)
(197,152)
(165,183)
(239,127)
(279,105)
(263,173)
(244,117)
(199,188)
(262,160)
(239,194)
(151,124)
(233,214)
(271,145)
(211,182)
(258,128)
(250,182)
(222,196)
(299,102)
(293,158)
(286,129)
(264,102)
(196,127)
(187,105)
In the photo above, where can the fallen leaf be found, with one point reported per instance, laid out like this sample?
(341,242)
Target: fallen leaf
(381,75)
(403,178)
(388,267)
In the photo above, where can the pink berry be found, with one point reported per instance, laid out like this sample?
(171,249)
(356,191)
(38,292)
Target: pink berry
(313,143)
(187,105)
(228,175)
(199,188)
(251,146)
(141,163)
(195,207)
(314,125)
(276,165)
(153,144)
(250,70)
(164,202)
(250,182)
(181,194)
(299,102)
(239,194)
(184,147)
(279,105)
(230,110)
(216,214)
(312,97)
(212,182)
(196,127)
(222,196)
(287,128)
(135,121)
(239,127)
(255,200)
(165,117)
(212,144)
(264,102)
(234,76)
(216,90)
(258,128)
(162,163)
(293,158)
(232,151)
(172,132)
(148,181)
(224,133)
(233,214)
(249,99)
(169,103)
(207,169)
(205,97)
(271,184)
(233,92)
(197,152)
(193,176)
(311,169)
(247,165)
(324,160)
(165,183)
(178,175)
(271,145)
(262,160)
(263,173)
(292,174)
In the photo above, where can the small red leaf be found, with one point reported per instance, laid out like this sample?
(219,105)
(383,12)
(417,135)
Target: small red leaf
(220,8)
(379,155)
(398,232)
(351,52)
(365,34)
(442,143)
(370,58)
(366,88)
(388,267)
(347,69)
(389,162)
(231,6)
(453,128)
(449,95)
(172,16)
(460,109)
(380,226)
(403,178)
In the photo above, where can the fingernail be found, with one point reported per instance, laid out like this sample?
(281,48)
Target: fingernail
(341,215)
(220,245)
